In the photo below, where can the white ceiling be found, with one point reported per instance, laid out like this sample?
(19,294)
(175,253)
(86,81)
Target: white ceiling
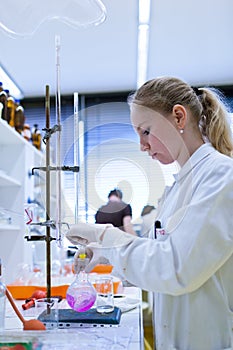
(189,39)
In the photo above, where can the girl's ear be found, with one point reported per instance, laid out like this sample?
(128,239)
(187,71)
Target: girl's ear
(180,116)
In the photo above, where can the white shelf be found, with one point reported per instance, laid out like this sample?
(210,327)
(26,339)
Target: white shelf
(9,135)
(9,228)
(6,180)
(18,157)
(17,185)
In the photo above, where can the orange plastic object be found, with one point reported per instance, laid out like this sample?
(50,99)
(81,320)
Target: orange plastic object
(101,268)
(117,286)
(24,292)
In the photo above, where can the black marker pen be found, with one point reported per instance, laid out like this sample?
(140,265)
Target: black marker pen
(157,224)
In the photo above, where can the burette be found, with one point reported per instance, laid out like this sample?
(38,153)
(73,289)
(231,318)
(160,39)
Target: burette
(76,153)
(58,143)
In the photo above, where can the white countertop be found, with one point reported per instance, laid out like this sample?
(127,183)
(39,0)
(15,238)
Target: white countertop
(128,335)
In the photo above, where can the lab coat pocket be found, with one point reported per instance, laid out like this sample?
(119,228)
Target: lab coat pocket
(161,234)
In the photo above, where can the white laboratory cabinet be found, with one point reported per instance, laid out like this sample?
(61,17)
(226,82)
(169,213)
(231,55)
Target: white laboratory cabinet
(17,158)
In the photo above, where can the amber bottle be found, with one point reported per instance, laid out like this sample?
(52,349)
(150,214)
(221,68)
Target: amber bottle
(36,137)
(19,119)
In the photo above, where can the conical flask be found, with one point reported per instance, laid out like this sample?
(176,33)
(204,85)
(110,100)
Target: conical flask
(81,294)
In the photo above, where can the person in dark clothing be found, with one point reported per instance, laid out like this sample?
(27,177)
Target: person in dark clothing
(116,212)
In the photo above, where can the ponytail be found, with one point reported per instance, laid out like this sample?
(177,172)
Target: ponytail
(214,124)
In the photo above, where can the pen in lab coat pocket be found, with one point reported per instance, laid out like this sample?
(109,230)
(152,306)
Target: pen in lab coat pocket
(157,225)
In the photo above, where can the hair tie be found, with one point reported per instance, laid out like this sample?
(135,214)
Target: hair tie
(197,91)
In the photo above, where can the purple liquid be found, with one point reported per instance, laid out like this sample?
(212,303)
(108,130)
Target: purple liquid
(81,302)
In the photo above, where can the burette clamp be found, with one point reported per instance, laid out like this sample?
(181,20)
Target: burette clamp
(74,169)
(50,131)
(39,238)
(48,223)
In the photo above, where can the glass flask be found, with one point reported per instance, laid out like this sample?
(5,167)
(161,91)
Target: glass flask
(81,294)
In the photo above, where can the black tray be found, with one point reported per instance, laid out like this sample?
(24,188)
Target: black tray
(68,318)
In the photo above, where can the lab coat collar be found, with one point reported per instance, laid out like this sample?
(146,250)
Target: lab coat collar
(202,152)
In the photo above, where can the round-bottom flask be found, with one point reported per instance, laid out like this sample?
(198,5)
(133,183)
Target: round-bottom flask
(81,294)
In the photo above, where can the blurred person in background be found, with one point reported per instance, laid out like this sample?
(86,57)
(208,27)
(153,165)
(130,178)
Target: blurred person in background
(116,212)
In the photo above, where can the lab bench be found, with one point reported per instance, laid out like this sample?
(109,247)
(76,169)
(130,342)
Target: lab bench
(128,335)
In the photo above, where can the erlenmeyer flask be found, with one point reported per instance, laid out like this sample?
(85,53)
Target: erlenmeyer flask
(81,294)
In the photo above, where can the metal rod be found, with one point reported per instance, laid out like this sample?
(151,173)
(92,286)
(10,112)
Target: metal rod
(47,176)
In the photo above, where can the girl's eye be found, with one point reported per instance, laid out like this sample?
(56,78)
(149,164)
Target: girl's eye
(145,132)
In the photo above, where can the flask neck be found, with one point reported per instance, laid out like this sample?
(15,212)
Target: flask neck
(83,262)
(83,276)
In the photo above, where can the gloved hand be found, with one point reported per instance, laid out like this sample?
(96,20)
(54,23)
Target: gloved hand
(94,253)
(86,233)
(106,234)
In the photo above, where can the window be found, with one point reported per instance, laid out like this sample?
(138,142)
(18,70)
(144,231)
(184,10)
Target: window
(109,156)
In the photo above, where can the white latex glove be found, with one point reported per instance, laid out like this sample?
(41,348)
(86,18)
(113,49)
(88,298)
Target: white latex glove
(94,253)
(86,233)
(109,236)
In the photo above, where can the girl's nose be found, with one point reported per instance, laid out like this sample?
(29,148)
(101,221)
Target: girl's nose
(144,147)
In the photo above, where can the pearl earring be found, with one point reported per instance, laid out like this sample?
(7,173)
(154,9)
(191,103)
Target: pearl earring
(181,131)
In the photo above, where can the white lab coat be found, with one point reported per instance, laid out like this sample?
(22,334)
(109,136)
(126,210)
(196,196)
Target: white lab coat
(148,223)
(190,269)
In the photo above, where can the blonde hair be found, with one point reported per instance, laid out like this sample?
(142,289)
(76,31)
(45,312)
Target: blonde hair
(205,104)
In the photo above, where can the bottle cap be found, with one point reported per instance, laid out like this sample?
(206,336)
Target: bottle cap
(19,108)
